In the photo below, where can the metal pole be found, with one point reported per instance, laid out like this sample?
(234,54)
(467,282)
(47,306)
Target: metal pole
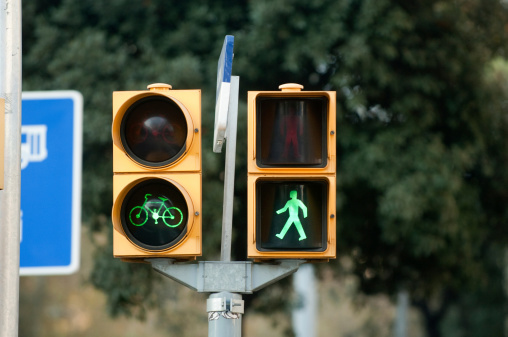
(401,318)
(10,92)
(229,174)
(305,307)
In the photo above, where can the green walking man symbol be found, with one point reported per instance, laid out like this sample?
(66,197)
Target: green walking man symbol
(293,204)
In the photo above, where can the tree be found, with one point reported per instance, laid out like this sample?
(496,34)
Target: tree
(421,132)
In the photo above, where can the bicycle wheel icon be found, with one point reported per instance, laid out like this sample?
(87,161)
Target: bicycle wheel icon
(172,217)
(138,216)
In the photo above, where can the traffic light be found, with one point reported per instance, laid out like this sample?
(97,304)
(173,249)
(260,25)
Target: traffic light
(291,174)
(157,173)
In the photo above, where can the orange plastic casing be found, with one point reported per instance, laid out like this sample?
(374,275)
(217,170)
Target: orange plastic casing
(184,173)
(257,173)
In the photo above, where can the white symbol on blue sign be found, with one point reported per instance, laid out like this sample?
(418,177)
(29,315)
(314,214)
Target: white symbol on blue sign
(33,144)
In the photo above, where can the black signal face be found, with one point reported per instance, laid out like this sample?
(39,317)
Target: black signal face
(291,215)
(154,131)
(154,214)
(291,132)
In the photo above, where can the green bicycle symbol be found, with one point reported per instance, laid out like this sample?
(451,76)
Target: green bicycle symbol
(138,216)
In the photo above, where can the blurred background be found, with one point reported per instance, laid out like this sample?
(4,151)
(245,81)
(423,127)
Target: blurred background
(422,131)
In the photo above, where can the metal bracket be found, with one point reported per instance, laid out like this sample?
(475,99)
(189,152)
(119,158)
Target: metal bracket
(216,304)
(243,277)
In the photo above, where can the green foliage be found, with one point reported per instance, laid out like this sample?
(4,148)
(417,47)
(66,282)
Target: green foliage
(480,313)
(422,127)
(129,286)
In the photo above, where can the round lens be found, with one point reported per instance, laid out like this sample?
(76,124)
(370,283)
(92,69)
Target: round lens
(154,131)
(155,214)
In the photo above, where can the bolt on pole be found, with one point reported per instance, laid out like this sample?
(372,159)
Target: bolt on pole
(10,95)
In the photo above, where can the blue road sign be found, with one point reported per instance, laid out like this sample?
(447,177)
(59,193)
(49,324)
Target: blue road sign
(224,69)
(51,151)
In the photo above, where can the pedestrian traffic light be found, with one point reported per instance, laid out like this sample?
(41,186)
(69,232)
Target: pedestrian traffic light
(157,173)
(291,174)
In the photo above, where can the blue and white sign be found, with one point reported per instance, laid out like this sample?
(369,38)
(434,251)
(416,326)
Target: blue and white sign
(224,69)
(51,151)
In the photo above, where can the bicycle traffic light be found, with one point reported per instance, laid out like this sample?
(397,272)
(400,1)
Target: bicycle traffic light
(157,173)
(291,174)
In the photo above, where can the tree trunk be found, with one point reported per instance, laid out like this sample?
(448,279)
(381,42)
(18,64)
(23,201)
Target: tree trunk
(433,318)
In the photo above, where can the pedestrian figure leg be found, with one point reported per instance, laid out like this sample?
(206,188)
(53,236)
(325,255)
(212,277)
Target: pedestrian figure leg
(299,227)
(285,229)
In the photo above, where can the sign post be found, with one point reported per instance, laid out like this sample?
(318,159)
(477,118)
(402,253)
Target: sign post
(51,151)
(10,102)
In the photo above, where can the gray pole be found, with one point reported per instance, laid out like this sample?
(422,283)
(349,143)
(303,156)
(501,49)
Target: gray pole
(305,308)
(229,174)
(401,318)
(225,309)
(10,94)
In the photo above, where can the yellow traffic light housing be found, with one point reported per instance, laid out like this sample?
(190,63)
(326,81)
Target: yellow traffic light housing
(291,174)
(157,173)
